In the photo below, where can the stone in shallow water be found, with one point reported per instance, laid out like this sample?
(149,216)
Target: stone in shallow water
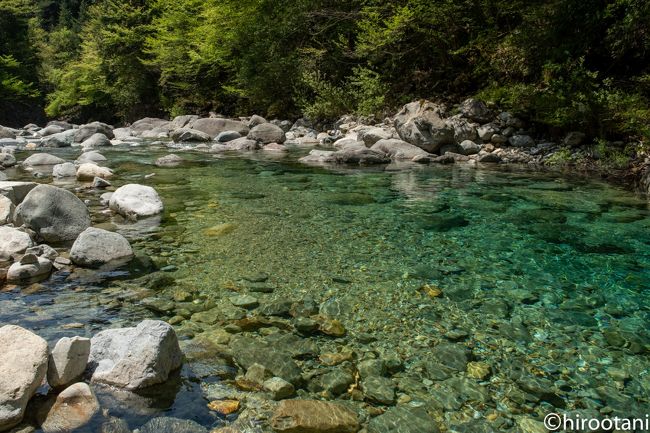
(337,381)
(23,366)
(454,356)
(244,301)
(403,419)
(379,390)
(279,388)
(312,416)
(172,425)
(68,360)
(71,409)
(248,351)
(135,358)
(96,247)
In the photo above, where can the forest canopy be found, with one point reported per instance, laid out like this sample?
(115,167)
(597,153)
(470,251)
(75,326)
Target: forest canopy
(564,64)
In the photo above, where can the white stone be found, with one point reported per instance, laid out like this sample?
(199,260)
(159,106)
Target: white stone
(135,358)
(23,365)
(67,361)
(136,200)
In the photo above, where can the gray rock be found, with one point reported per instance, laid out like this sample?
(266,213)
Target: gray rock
(468,147)
(397,149)
(135,358)
(96,140)
(29,269)
(86,131)
(51,129)
(170,160)
(72,409)
(7,159)
(213,126)
(23,365)
(379,390)
(371,368)
(279,388)
(521,141)
(44,251)
(248,351)
(172,425)
(149,124)
(284,124)
(373,135)
(226,136)
(183,121)
(96,247)
(122,133)
(475,110)
(114,425)
(337,381)
(67,169)
(404,419)
(421,124)
(55,214)
(498,139)
(6,213)
(360,156)
(42,159)
(6,132)
(135,200)
(100,183)
(256,120)
(454,356)
(486,132)
(13,242)
(266,133)
(16,191)
(244,301)
(463,130)
(242,144)
(91,157)
(61,139)
(185,135)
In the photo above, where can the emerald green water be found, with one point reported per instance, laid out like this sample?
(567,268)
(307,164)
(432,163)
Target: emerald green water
(542,275)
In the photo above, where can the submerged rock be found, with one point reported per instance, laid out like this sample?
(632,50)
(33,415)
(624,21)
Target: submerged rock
(55,214)
(313,416)
(403,419)
(170,160)
(23,365)
(135,358)
(72,409)
(172,425)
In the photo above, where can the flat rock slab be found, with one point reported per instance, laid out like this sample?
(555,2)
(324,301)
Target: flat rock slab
(313,416)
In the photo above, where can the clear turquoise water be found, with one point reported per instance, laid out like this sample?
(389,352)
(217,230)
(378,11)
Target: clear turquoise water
(568,256)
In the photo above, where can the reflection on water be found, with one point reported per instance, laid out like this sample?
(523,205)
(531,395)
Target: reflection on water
(537,273)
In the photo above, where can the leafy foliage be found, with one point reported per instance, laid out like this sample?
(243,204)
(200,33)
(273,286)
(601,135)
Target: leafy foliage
(564,64)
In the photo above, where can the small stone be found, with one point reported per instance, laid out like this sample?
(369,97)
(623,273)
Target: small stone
(312,416)
(331,327)
(478,370)
(100,183)
(305,325)
(257,373)
(279,388)
(337,381)
(331,359)
(379,390)
(529,425)
(224,407)
(244,301)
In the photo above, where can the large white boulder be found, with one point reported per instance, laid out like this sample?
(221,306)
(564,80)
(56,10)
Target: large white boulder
(55,214)
(135,200)
(422,123)
(135,358)
(23,365)
(96,247)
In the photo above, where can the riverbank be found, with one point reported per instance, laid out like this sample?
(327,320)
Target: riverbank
(422,131)
(461,297)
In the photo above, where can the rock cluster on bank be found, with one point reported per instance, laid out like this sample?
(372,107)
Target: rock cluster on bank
(128,358)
